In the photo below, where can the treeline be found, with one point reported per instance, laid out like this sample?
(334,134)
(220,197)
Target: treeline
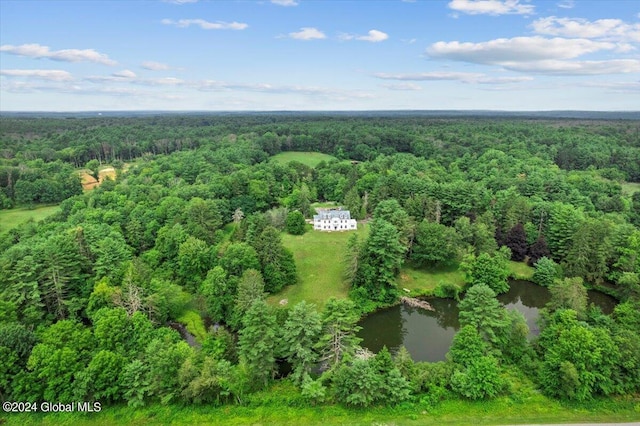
(87,296)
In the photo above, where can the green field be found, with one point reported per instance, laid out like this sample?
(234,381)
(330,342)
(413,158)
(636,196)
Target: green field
(319,260)
(282,405)
(310,159)
(318,257)
(9,219)
(629,188)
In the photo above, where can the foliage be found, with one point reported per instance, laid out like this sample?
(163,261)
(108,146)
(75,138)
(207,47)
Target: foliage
(256,343)
(295,224)
(435,245)
(546,272)
(381,258)
(491,271)
(569,293)
(339,328)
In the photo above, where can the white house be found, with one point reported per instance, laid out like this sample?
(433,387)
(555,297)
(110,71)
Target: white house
(334,220)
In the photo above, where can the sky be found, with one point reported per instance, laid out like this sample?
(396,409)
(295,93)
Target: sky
(274,55)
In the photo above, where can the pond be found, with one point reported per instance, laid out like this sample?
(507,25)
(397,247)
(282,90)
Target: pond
(427,335)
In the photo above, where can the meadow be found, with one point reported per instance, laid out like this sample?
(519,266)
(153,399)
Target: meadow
(310,159)
(12,218)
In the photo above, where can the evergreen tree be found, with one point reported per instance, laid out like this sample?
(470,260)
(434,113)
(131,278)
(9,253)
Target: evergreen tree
(481,309)
(339,328)
(300,336)
(295,223)
(257,343)
(382,257)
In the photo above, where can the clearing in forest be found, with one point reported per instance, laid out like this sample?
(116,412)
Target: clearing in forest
(9,219)
(319,258)
(310,159)
(89,182)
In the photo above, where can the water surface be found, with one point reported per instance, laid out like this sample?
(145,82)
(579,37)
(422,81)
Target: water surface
(427,335)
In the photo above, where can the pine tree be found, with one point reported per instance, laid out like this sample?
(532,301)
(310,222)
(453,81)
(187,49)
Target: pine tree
(257,343)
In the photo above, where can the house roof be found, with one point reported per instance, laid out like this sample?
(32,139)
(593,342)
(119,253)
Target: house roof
(332,214)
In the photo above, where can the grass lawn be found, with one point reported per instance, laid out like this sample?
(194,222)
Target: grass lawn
(9,219)
(281,406)
(628,188)
(423,281)
(318,257)
(310,159)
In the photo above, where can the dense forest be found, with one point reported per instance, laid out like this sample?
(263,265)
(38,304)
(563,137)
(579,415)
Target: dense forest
(190,232)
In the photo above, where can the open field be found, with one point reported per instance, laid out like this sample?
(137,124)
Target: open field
(310,159)
(629,188)
(318,257)
(9,219)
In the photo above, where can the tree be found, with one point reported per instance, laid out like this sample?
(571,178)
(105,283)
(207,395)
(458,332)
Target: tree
(435,245)
(538,250)
(55,363)
(489,270)
(467,346)
(250,291)
(300,336)
(569,293)
(481,309)
(339,329)
(589,251)
(516,240)
(295,224)
(238,258)
(194,260)
(479,380)
(382,256)
(578,360)
(219,293)
(546,272)
(257,343)
(352,258)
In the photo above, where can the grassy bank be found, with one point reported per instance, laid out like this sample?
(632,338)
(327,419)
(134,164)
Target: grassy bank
(280,406)
(310,159)
(9,219)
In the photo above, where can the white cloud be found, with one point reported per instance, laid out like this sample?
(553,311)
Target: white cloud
(567,4)
(124,74)
(66,55)
(465,77)
(410,87)
(558,67)
(617,87)
(206,25)
(373,36)
(308,33)
(180,2)
(285,2)
(154,66)
(491,7)
(608,29)
(518,49)
(50,75)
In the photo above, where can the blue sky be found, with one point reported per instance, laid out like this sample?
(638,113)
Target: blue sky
(319,55)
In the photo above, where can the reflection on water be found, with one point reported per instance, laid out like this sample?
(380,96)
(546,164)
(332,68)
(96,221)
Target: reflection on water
(427,335)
